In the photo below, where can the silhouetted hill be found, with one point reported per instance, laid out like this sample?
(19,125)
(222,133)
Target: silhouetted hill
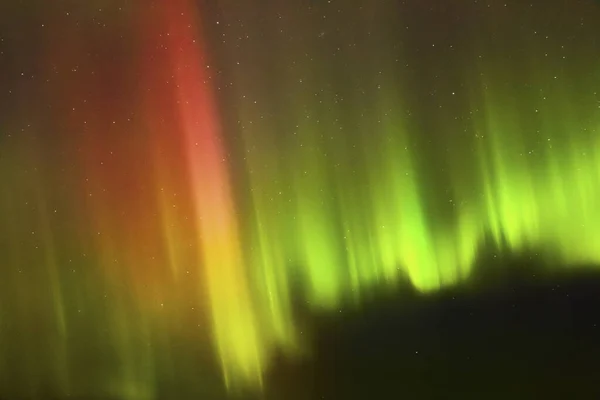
(517,330)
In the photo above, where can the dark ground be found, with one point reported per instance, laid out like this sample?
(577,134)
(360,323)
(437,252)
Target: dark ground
(513,333)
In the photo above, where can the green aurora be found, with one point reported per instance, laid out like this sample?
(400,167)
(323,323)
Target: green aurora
(353,189)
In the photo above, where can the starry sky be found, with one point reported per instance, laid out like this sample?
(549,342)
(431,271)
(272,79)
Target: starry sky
(195,193)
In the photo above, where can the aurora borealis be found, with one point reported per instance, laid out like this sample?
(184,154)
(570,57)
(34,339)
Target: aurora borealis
(177,175)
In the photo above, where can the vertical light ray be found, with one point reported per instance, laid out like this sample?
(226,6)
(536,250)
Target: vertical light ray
(57,293)
(235,328)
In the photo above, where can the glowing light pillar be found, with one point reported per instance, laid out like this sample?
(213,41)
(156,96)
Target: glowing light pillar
(233,318)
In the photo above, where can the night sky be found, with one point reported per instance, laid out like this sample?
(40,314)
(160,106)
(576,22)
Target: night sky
(299,199)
